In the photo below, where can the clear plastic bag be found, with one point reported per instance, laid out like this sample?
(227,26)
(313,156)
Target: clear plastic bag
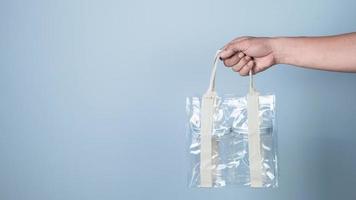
(230,159)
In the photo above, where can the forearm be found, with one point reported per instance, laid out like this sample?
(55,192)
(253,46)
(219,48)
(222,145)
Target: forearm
(333,53)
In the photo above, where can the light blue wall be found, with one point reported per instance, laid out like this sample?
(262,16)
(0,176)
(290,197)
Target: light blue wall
(92,97)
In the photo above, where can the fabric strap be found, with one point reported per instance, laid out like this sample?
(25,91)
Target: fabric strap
(206,139)
(207,122)
(206,152)
(254,140)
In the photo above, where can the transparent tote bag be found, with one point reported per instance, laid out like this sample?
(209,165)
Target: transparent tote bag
(232,140)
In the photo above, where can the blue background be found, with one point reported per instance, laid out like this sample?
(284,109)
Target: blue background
(92,97)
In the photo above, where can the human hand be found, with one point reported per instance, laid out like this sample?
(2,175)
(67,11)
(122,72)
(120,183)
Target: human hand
(249,53)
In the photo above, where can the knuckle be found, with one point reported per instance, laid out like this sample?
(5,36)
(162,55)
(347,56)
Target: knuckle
(229,46)
(245,43)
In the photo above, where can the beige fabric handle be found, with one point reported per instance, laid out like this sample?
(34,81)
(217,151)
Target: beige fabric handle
(254,140)
(206,139)
(207,123)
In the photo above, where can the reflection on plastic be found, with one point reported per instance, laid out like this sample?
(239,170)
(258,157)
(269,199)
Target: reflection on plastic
(230,160)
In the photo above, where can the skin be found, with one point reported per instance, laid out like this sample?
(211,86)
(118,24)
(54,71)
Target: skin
(331,53)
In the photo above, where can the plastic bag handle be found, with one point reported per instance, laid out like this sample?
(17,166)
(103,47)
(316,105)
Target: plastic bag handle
(211,88)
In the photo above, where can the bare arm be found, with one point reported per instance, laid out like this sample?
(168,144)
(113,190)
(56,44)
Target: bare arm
(332,53)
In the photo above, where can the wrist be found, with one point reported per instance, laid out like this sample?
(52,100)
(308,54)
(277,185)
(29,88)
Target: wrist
(279,49)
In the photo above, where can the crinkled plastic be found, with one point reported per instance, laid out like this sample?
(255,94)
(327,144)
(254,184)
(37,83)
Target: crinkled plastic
(230,141)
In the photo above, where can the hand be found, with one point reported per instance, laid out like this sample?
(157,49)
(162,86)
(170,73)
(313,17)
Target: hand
(248,53)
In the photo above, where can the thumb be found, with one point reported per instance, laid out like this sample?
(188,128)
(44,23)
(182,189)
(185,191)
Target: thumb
(233,48)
